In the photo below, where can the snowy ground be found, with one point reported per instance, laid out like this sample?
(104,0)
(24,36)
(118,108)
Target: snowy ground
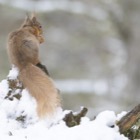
(11,128)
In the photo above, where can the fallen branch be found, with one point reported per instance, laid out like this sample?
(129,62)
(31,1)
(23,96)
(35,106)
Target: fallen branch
(129,125)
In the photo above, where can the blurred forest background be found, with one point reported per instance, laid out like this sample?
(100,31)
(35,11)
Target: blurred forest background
(91,49)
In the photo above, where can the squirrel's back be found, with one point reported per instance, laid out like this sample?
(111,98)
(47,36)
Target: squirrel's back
(23,48)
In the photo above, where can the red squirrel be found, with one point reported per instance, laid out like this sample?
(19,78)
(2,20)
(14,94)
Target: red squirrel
(23,50)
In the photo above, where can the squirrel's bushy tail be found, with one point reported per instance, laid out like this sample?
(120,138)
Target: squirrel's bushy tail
(41,87)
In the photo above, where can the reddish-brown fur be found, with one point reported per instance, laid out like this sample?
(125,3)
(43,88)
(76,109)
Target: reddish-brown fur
(23,50)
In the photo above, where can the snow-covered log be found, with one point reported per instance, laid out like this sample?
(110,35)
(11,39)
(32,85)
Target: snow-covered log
(19,120)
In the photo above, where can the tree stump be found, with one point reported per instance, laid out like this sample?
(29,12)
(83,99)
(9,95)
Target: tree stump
(72,119)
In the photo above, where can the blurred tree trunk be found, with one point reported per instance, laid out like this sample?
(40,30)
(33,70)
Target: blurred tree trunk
(129,32)
(131,14)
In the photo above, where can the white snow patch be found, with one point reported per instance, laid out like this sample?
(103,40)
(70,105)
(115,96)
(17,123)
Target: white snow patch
(119,116)
(4,88)
(27,107)
(13,73)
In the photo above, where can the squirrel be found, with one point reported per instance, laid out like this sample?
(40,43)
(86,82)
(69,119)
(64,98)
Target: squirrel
(23,50)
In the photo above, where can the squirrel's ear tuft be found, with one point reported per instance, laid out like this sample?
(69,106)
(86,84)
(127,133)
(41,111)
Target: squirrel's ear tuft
(33,20)
(33,17)
(33,14)
(27,21)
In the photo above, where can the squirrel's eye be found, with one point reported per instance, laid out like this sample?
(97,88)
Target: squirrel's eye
(40,26)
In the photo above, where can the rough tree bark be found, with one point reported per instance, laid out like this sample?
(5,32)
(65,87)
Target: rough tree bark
(129,125)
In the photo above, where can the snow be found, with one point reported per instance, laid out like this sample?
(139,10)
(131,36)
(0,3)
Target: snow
(119,116)
(13,73)
(3,89)
(103,127)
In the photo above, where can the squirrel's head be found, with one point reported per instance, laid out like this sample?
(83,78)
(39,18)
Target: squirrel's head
(34,25)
